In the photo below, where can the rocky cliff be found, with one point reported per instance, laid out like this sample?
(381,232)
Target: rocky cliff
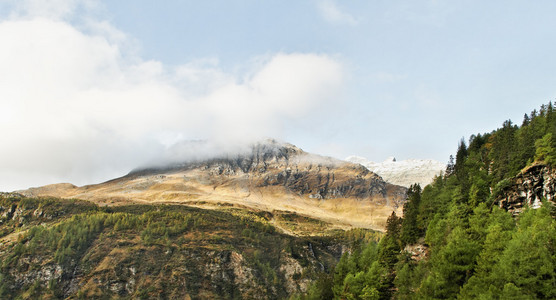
(528,188)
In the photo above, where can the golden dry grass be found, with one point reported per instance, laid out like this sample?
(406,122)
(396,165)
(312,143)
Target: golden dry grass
(196,188)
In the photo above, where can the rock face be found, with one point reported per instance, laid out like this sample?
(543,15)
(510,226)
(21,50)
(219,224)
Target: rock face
(405,172)
(418,251)
(528,188)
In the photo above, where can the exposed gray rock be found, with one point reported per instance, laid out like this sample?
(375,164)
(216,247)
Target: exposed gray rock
(528,188)
(418,251)
(277,164)
(44,274)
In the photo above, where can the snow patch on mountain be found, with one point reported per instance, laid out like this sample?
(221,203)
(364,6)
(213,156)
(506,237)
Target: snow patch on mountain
(404,172)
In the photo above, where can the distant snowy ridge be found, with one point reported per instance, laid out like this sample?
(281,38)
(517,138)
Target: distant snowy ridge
(405,172)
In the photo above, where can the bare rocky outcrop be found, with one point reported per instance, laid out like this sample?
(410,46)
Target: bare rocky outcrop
(418,251)
(527,189)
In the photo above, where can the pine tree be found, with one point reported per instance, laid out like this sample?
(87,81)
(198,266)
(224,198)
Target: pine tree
(503,153)
(528,262)
(544,150)
(452,266)
(461,154)
(526,120)
(410,231)
(450,168)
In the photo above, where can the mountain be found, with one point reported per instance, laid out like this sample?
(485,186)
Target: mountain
(258,224)
(404,172)
(270,176)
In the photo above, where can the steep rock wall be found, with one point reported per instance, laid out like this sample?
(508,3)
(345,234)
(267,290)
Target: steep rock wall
(528,188)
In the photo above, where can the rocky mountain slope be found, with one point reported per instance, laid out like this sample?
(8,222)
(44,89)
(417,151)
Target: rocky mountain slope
(404,172)
(271,176)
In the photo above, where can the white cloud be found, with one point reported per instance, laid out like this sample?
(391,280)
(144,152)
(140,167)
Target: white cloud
(333,14)
(78,104)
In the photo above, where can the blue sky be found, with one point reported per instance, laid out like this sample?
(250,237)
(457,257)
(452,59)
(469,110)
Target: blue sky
(117,83)
(411,64)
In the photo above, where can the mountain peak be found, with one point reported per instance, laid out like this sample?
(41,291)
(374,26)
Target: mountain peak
(192,154)
(390,159)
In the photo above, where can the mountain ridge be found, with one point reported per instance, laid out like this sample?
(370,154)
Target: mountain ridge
(270,176)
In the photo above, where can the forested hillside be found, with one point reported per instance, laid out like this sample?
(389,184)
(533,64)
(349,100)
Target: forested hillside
(453,240)
(62,248)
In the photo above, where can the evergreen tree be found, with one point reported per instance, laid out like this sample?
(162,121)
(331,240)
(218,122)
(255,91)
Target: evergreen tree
(450,168)
(341,270)
(461,154)
(503,152)
(526,138)
(451,266)
(321,288)
(393,225)
(545,152)
(410,231)
(526,120)
(528,262)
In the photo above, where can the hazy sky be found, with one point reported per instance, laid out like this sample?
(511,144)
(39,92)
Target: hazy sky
(91,89)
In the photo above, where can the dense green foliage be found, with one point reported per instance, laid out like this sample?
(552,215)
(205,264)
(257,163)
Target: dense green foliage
(452,242)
